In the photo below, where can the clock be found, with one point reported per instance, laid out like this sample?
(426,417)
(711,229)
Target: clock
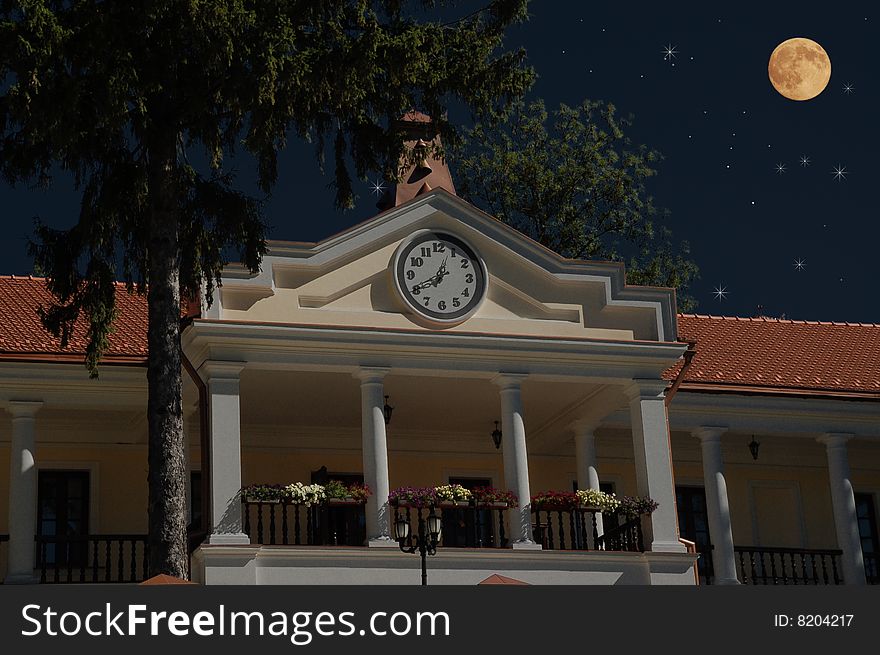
(440,277)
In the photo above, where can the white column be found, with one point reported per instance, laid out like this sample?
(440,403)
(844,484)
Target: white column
(717,506)
(375,453)
(653,459)
(516,461)
(224,420)
(843,503)
(585,460)
(22,492)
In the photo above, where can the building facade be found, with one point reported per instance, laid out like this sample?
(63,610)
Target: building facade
(759,439)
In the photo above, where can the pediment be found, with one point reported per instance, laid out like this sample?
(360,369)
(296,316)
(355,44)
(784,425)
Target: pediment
(347,280)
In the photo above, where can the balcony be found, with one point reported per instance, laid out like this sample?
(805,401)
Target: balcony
(465,525)
(765,565)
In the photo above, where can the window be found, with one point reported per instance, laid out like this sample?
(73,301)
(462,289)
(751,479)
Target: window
(867,519)
(338,526)
(63,511)
(693,525)
(466,527)
(195,500)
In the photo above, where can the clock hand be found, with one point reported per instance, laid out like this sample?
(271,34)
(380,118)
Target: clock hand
(441,272)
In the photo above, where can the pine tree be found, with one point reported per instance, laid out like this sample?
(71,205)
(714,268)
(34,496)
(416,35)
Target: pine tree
(119,94)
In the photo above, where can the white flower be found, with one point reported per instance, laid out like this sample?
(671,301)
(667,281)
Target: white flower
(451,492)
(595,498)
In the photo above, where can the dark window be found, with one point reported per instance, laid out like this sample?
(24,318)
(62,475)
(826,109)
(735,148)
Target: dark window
(867,518)
(195,505)
(63,512)
(339,526)
(466,527)
(693,525)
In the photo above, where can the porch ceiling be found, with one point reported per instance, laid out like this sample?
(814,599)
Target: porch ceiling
(421,404)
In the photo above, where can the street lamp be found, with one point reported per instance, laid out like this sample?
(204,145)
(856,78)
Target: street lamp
(425,541)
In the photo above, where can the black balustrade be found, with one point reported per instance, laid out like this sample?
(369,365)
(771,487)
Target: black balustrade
(578,529)
(105,558)
(288,524)
(3,539)
(872,572)
(764,565)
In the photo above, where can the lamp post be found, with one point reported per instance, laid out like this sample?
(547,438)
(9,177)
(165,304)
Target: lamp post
(425,541)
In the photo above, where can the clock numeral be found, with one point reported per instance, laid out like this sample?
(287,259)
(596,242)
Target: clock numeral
(441,305)
(416,291)
(416,261)
(439,247)
(427,299)
(467,278)
(426,252)
(456,302)
(466,293)
(465,263)
(452,253)
(410,274)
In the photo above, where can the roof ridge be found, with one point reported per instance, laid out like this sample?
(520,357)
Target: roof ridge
(772,319)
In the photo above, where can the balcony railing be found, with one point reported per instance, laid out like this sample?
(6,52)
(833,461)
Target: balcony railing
(784,566)
(872,572)
(578,529)
(464,525)
(104,558)
(287,524)
(3,539)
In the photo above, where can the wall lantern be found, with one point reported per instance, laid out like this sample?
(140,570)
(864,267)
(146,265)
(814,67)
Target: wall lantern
(387,410)
(753,447)
(496,436)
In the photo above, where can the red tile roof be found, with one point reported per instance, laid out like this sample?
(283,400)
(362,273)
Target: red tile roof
(800,356)
(22,334)
(733,353)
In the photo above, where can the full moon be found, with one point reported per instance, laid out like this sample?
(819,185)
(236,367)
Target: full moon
(799,69)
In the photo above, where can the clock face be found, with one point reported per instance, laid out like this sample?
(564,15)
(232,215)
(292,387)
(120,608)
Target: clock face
(440,276)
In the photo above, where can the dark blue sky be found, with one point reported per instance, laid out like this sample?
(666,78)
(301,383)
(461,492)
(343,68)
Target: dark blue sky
(717,120)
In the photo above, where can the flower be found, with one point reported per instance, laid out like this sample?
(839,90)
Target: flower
(557,500)
(335,489)
(595,498)
(636,505)
(487,495)
(413,496)
(262,492)
(452,492)
(304,494)
(359,491)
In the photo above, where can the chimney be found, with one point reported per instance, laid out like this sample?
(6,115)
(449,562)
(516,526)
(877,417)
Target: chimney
(427,173)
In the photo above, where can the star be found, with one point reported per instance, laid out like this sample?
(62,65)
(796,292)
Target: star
(780,168)
(839,173)
(848,88)
(378,187)
(799,264)
(669,52)
(720,292)
(805,161)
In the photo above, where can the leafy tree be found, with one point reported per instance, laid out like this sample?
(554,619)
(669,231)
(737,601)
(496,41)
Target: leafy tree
(119,94)
(575,184)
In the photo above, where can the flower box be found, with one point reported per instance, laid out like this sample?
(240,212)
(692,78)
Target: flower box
(348,500)
(264,501)
(496,504)
(590,508)
(454,503)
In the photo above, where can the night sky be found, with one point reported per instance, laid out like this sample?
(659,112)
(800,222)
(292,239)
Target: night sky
(748,175)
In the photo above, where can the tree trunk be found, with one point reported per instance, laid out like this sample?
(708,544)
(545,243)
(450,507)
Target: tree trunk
(167,464)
